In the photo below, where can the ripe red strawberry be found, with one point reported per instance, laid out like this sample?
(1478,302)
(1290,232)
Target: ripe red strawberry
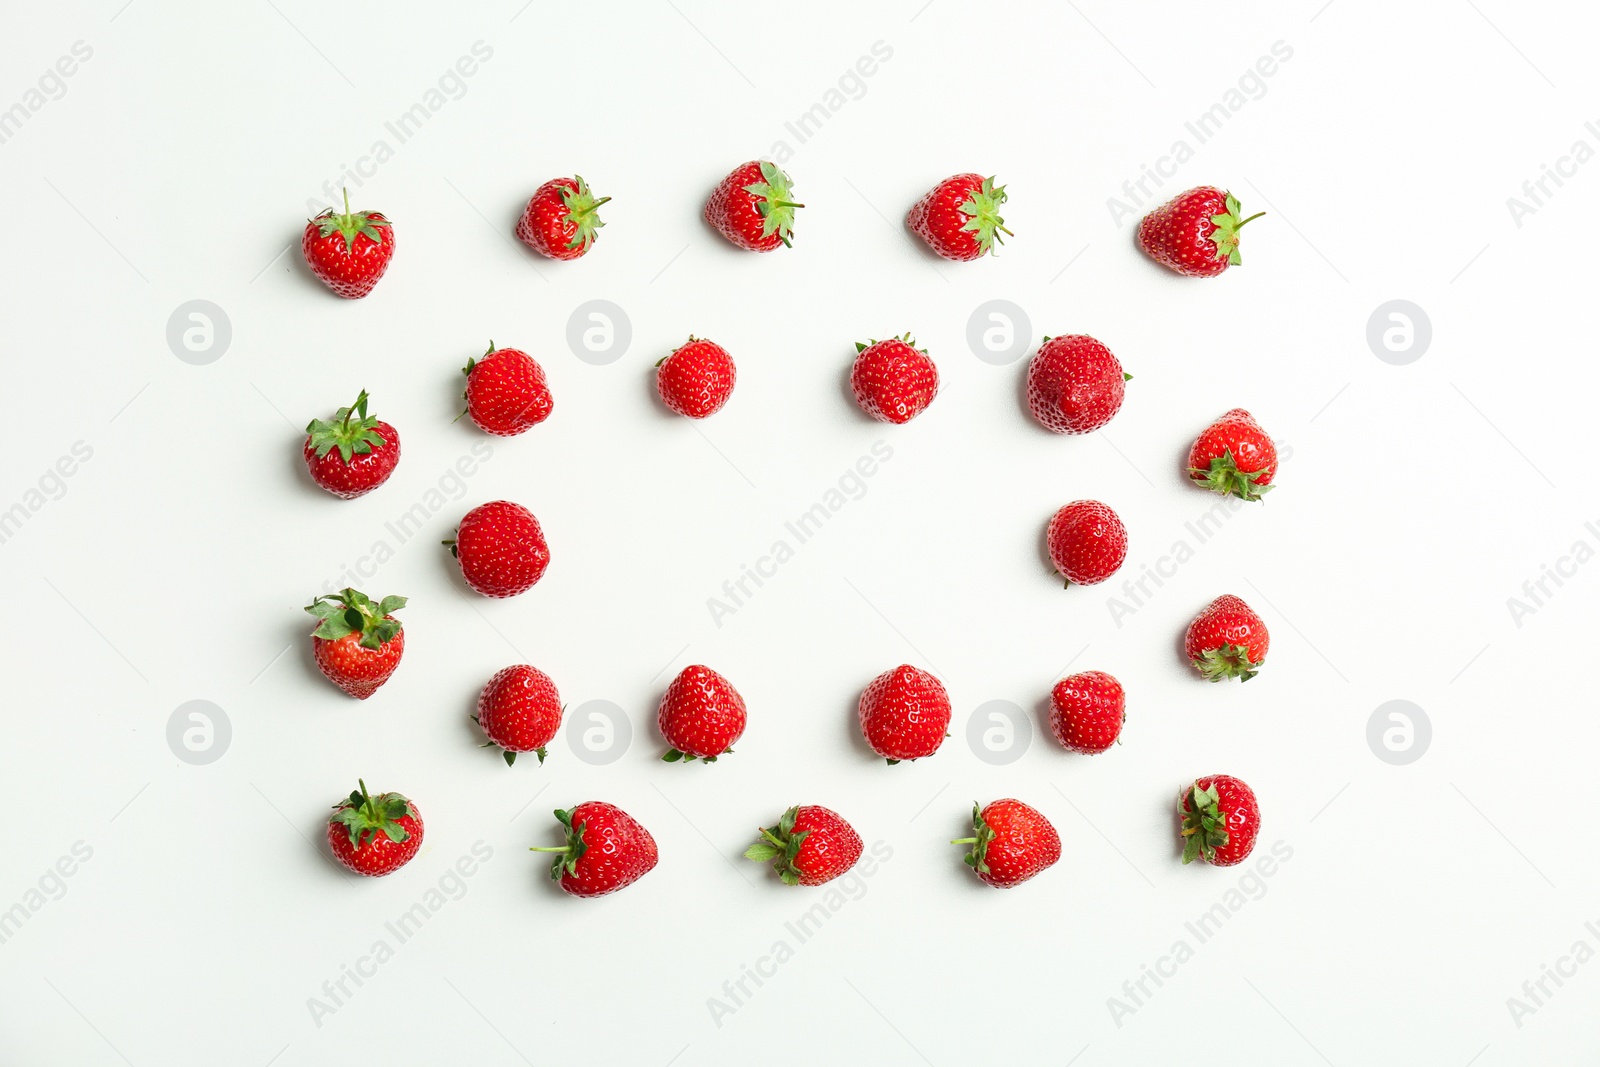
(1234,455)
(1220,820)
(1013,843)
(374,835)
(520,711)
(357,644)
(605,850)
(1075,384)
(1195,233)
(506,392)
(960,217)
(561,219)
(696,378)
(893,380)
(701,715)
(1227,640)
(809,846)
(353,454)
(754,207)
(1087,711)
(1087,542)
(501,549)
(904,714)
(348,251)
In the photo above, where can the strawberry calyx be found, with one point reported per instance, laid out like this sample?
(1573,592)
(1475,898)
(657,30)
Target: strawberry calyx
(1224,476)
(904,338)
(567,855)
(364,816)
(982,209)
(779,846)
(1227,661)
(1205,825)
(508,754)
(977,858)
(775,206)
(352,431)
(581,207)
(350,611)
(1226,234)
(351,224)
(675,755)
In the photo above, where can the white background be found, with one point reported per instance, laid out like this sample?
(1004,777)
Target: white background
(173,565)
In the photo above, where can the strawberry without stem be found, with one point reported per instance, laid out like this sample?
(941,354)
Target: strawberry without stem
(696,378)
(809,846)
(1227,640)
(1234,455)
(893,380)
(354,453)
(501,549)
(701,715)
(904,714)
(348,251)
(374,835)
(1012,843)
(561,218)
(1219,820)
(358,643)
(606,850)
(1195,233)
(1087,711)
(1075,384)
(519,711)
(754,207)
(1087,542)
(506,392)
(960,217)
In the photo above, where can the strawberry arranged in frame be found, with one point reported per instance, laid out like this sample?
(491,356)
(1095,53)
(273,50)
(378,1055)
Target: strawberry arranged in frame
(1195,233)
(904,714)
(501,549)
(960,217)
(561,218)
(374,835)
(1234,456)
(1219,820)
(811,845)
(894,381)
(701,715)
(754,207)
(357,643)
(354,453)
(1227,640)
(348,251)
(1087,711)
(1087,542)
(696,378)
(519,711)
(1011,843)
(605,850)
(1075,384)
(506,392)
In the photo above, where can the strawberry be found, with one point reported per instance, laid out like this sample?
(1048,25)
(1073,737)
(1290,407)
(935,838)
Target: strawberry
(1220,820)
(506,392)
(960,217)
(374,835)
(605,850)
(561,218)
(520,711)
(1234,455)
(1087,712)
(754,207)
(353,454)
(357,644)
(809,846)
(696,378)
(904,714)
(893,380)
(701,715)
(349,252)
(1195,233)
(1087,542)
(1075,384)
(1227,640)
(501,549)
(1013,843)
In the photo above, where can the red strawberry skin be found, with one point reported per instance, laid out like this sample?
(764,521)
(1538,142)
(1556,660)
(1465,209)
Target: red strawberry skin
(1240,817)
(617,851)
(697,379)
(1183,234)
(377,854)
(1234,456)
(506,392)
(560,220)
(1087,711)
(811,845)
(1075,384)
(353,254)
(893,380)
(1227,640)
(1023,843)
(958,218)
(758,221)
(904,714)
(501,549)
(1087,542)
(701,715)
(520,711)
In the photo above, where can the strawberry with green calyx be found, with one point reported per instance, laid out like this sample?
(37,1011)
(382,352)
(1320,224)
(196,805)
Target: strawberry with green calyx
(374,835)
(352,454)
(960,217)
(754,207)
(1234,456)
(1012,842)
(809,846)
(357,643)
(1195,233)
(606,849)
(561,219)
(1220,819)
(348,251)
(893,380)
(1227,640)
